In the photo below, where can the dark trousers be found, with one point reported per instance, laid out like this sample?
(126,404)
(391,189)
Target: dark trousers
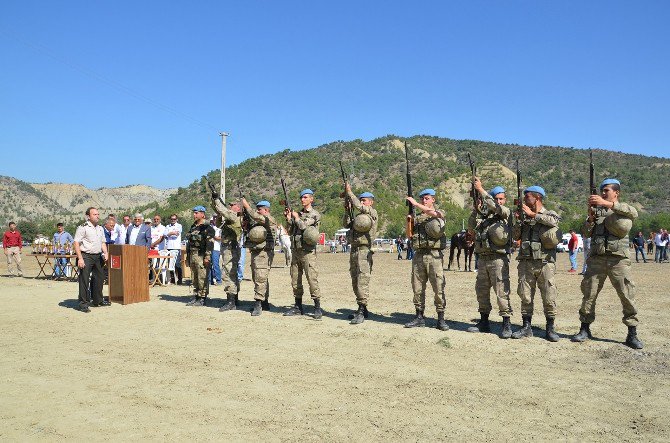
(91,279)
(640,250)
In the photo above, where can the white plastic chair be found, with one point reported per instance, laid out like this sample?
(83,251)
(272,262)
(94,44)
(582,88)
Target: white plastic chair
(170,266)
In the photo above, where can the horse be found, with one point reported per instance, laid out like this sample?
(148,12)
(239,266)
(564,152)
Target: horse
(285,243)
(463,240)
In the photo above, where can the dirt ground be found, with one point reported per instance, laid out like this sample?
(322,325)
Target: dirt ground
(162,370)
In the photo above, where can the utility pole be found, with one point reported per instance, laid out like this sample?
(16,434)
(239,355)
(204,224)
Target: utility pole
(224,136)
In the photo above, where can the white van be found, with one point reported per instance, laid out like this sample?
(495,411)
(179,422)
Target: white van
(563,245)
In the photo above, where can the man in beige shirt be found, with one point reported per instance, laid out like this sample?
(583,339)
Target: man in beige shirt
(89,245)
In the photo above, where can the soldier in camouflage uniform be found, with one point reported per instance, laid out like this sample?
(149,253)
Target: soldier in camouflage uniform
(303,253)
(608,225)
(199,247)
(428,261)
(539,235)
(231,229)
(261,244)
(362,230)
(491,224)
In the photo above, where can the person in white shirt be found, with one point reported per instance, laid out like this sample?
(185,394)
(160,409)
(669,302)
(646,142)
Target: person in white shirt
(157,234)
(172,237)
(123,229)
(660,246)
(215,274)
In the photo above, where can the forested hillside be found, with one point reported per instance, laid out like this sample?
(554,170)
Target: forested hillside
(441,163)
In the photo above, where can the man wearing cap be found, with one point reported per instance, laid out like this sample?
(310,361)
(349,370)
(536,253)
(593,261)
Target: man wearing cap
(231,228)
(362,230)
(608,224)
(304,229)
(491,224)
(537,229)
(261,243)
(200,243)
(428,241)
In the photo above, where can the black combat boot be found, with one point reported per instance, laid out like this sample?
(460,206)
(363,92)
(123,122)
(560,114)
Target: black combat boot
(365,313)
(507,328)
(296,309)
(550,333)
(441,323)
(197,301)
(526,330)
(583,334)
(418,322)
(359,316)
(631,340)
(258,308)
(265,304)
(482,325)
(317,309)
(230,304)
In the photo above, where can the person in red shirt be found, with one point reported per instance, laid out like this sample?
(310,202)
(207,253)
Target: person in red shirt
(12,243)
(573,246)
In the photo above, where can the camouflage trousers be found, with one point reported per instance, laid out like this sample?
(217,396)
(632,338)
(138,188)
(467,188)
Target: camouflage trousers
(304,262)
(230,258)
(427,267)
(260,272)
(537,274)
(360,268)
(617,269)
(493,272)
(199,274)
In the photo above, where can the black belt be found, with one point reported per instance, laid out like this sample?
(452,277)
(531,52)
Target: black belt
(89,253)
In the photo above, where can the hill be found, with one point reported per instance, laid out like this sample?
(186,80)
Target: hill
(37,207)
(379,166)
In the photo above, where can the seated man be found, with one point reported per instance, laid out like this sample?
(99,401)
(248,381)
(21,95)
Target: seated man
(60,240)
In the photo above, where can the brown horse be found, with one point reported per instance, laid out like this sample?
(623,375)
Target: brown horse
(463,240)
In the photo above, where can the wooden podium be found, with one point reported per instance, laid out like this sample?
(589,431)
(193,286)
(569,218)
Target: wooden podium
(128,267)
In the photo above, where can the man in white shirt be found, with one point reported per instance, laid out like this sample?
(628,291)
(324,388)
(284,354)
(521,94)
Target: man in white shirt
(215,275)
(157,234)
(172,237)
(123,229)
(660,246)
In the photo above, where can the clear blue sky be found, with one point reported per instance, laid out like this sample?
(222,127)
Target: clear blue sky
(116,93)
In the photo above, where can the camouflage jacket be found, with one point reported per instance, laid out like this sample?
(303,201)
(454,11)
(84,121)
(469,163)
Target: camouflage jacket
(231,228)
(482,222)
(200,239)
(354,238)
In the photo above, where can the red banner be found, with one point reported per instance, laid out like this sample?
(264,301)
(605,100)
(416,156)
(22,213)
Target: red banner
(115,262)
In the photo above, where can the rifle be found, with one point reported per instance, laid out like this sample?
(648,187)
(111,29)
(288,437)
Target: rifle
(476,198)
(409,226)
(350,207)
(287,204)
(214,191)
(592,182)
(519,199)
(246,219)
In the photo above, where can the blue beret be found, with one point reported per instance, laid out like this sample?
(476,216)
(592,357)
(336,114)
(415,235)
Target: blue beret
(537,189)
(199,209)
(306,191)
(497,190)
(366,195)
(264,203)
(609,181)
(427,191)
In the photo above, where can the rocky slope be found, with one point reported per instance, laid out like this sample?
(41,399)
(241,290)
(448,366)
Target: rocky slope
(20,200)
